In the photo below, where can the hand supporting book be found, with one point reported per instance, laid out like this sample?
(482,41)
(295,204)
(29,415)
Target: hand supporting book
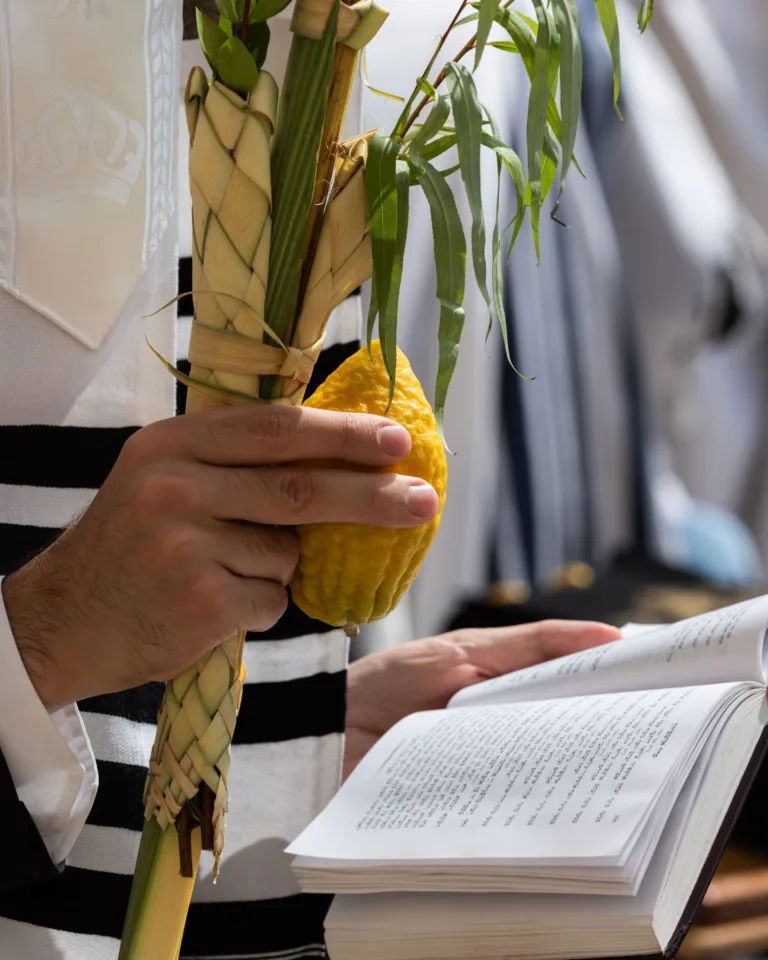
(591,788)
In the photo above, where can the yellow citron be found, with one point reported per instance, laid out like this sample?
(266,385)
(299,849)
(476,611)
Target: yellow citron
(350,574)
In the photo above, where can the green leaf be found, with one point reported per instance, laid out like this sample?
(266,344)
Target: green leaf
(426,87)
(258,42)
(468,117)
(382,201)
(257,39)
(531,21)
(571,72)
(514,166)
(486,16)
(524,40)
(432,126)
(506,45)
(264,9)
(212,37)
(231,9)
(606,11)
(549,169)
(295,146)
(373,311)
(388,317)
(438,147)
(536,125)
(451,266)
(644,15)
(497,258)
(236,66)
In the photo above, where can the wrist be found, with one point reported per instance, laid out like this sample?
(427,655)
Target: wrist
(37,632)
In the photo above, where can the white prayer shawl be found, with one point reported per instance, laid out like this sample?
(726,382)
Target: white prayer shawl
(88,248)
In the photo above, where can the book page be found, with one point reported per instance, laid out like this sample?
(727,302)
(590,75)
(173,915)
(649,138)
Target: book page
(552,780)
(717,647)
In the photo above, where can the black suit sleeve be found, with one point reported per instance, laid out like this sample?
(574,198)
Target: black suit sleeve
(25,856)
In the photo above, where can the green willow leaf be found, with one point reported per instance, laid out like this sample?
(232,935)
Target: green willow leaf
(571,73)
(426,87)
(514,167)
(211,36)
(548,170)
(381,196)
(373,312)
(606,11)
(437,148)
(524,42)
(468,117)
(536,125)
(470,18)
(236,66)
(388,316)
(486,15)
(497,256)
(432,126)
(506,45)
(644,15)
(451,265)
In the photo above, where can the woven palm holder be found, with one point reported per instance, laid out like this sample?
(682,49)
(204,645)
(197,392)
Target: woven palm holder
(231,349)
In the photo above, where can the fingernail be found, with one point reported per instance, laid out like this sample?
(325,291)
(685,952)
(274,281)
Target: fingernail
(395,440)
(422,501)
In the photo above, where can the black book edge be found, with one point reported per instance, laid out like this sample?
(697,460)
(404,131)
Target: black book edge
(715,853)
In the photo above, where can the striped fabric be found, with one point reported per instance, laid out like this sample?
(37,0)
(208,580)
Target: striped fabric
(286,755)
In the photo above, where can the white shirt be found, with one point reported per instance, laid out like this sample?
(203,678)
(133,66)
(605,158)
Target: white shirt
(48,755)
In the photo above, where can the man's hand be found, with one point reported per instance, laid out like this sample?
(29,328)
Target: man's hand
(189,541)
(425,674)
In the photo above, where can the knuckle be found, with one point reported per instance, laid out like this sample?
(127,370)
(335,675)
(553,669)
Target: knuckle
(209,597)
(141,446)
(270,601)
(272,426)
(164,491)
(296,490)
(355,430)
(279,543)
(179,546)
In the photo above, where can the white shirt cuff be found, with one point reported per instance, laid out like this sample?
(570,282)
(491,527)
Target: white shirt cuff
(48,754)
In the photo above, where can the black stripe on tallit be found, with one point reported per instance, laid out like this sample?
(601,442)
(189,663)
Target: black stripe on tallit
(289,710)
(47,456)
(119,799)
(311,706)
(292,624)
(79,901)
(95,902)
(140,704)
(19,543)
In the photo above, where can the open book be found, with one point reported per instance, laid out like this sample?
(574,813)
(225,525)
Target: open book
(572,809)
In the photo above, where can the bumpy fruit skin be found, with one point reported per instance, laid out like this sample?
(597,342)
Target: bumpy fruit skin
(348,573)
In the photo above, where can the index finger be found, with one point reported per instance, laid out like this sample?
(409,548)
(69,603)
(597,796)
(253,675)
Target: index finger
(500,650)
(269,433)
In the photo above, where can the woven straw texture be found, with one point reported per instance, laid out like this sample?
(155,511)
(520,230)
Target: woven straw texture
(230,186)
